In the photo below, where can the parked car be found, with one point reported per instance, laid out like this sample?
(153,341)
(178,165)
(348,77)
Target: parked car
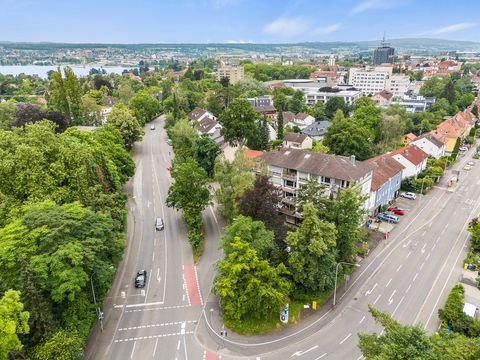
(388,217)
(141,279)
(396,210)
(467,167)
(408,195)
(463,148)
(471,163)
(152,127)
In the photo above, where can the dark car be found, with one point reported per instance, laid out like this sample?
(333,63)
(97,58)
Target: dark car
(396,210)
(141,279)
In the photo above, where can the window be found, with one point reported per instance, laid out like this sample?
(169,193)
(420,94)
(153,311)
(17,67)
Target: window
(326,180)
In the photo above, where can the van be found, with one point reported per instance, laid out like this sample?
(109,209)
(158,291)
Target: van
(159,224)
(389,217)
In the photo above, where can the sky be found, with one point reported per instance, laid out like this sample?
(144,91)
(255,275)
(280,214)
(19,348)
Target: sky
(236,21)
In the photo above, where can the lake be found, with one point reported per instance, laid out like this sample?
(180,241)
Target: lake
(42,71)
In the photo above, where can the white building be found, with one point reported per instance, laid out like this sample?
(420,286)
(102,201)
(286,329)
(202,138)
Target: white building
(233,73)
(370,80)
(317,91)
(413,103)
(430,144)
(398,84)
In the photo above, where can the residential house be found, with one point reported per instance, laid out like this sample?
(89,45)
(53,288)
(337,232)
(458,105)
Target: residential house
(454,127)
(383,98)
(212,128)
(386,181)
(297,141)
(317,130)
(266,110)
(412,158)
(432,145)
(408,138)
(301,120)
(289,169)
(198,114)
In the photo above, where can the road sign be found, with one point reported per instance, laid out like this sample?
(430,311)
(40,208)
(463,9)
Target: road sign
(284,314)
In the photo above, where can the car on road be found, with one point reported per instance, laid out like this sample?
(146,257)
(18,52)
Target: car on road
(463,148)
(397,211)
(388,217)
(169,142)
(471,163)
(152,127)
(159,225)
(141,279)
(467,167)
(408,195)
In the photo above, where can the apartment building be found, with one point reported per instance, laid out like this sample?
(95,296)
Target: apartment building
(370,80)
(289,169)
(234,73)
(317,92)
(398,84)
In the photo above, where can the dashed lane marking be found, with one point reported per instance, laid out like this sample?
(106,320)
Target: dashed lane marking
(158,308)
(155,325)
(152,337)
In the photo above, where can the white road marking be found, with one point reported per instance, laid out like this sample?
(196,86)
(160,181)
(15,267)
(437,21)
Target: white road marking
(361,320)
(378,297)
(433,247)
(398,269)
(133,350)
(415,277)
(152,337)
(300,353)
(408,289)
(182,331)
(185,348)
(398,305)
(148,285)
(158,275)
(421,266)
(321,356)
(178,344)
(370,291)
(408,255)
(428,256)
(390,300)
(345,339)
(389,281)
(153,256)
(144,304)
(423,248)
(360,357)
(155,325)
(155,347)
(156,308)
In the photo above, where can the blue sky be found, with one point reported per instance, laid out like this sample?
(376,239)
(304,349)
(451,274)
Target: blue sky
(261,21)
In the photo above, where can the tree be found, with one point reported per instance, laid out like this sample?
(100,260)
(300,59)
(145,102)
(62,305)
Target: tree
(7,115)
(30,113)
(390,130)
(475,110)
(280,101)
(363,101)
(74,96)
(206,151)
(238,122)
(250,288)
(122,119)
(399,342)
(449,92)
(57,94)
(333,104)
(318,111)
(13,322)
(315,193)
(260,203)
(319,147)
(233,179)
(184,138)
(259,140)
(144,107)
(344,137)
(348,216)
(465,101)
(297,102)
(63,345)
(312,253)
(280,125)
(190,193)
(254,234)
(368,117)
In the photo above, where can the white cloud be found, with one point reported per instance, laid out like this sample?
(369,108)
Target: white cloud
(287,26)
(375,4)
(328,29)
(239,42)
(452,28)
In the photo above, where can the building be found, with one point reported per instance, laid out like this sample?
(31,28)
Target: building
(386,181)
(289,169)
(265,100)
(413,103)
(198,114)
(317,130)
(300,120)
(331,60)
(432,145)
(211,128)
(297,141)
(234,73)
(383,98)
(384,54)
(412,158)
(316,91)
(370,80)
(398,84)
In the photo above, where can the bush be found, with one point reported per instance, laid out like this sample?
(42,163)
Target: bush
(452,315)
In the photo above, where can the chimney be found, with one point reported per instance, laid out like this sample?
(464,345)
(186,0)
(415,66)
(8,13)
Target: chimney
(352,159)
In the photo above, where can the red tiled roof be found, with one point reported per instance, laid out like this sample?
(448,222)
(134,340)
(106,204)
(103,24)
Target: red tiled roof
(412,153)
(410,136)
(384,168)
(252,154)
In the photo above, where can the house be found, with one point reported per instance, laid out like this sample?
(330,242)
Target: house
(455,127)
(211,128)
(317,130)
(252,154)
(412,158)
(289,169)
(386,181)
(297,141)
(432,145)
(383,98)
(266,110)
(199,114)
(407,139)
(301,120)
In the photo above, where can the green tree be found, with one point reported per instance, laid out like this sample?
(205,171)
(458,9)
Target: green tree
(348,216)
(433,87)
(449,92)
(144,107)
(63,345)
(344,137)
(122,119)
(250,288)
(399,342)
(465,101)
(13,322)
(297,102)
(206,151)
(368,117)
(315,193)
(74,96)
(319,147)
(333,104)
(238,121)
(318,111)
(280,125)
(190,193)
(184,138)
(233,179)
(57,94)
(280,101)
(253,233)
(312,253)
(7,115)
(390,129)
(475,110)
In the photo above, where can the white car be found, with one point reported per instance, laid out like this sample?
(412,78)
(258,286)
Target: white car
(408,195)
(463,148)
(471,163)
(467,167)
(152,127)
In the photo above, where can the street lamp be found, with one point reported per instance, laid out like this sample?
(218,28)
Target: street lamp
(336,275)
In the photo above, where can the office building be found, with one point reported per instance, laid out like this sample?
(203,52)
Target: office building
(384,54)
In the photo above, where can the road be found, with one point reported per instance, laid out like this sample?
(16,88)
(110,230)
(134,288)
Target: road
(409,276)
(158,321)
(176,317)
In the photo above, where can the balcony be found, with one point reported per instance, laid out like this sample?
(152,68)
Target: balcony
(290,175)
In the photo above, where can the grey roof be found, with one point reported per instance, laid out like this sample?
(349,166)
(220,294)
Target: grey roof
(333,166)
(430,137)
(295,137)
(206,124)
(318,128)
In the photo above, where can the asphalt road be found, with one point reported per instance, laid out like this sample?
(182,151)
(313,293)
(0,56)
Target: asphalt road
(158,321)
(176,317)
